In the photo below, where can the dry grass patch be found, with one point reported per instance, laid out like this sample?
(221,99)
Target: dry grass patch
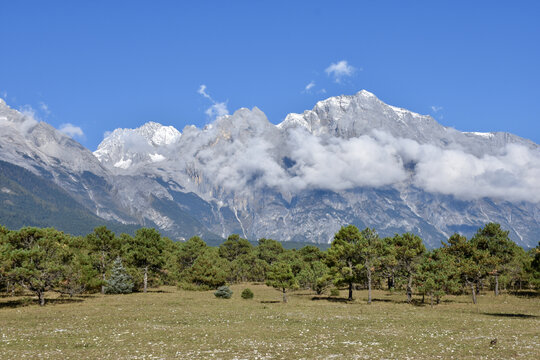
(176,324)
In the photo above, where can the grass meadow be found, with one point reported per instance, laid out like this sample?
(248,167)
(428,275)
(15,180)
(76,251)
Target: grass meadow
(168,323)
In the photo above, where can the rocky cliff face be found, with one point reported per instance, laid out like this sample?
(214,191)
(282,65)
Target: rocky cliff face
(351,159)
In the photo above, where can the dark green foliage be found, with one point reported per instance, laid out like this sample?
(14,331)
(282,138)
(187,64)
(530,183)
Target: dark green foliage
(437,275)
(281,277)
(247,294)
(501,249)
(315,276)
(36,259)
(208,272)
(144,252)
(235,247)
(269,250)
(344,259)
(409,250)
(119,282)
(223,292)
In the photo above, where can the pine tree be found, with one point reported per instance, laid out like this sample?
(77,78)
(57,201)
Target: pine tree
(119,282)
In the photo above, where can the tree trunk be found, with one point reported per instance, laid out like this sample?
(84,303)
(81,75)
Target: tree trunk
(409,289)
(145,278)
(284,295)
(496,284)
(41,297)
(103,271)
(431,299)
(369,285)
(423,298)
(473,288)
(350,291)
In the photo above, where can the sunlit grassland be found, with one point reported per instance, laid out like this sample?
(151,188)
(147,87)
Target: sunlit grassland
(174,324)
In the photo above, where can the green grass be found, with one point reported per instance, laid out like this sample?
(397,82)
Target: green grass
(175,324)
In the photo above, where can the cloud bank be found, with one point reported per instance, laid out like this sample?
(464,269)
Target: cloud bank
(245,152)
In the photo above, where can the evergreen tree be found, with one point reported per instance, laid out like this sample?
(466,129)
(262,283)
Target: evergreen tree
(281,277)
(501,249)
(189,252)
(234,247)
(119,282)
(269,250)
(316,276)
(371,250)
(37,259)
(105,246)
(472,264)
(208,272)
(409,250)
(343,257)
(437,275)
(145,252)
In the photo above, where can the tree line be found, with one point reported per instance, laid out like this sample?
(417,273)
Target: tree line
(44,259)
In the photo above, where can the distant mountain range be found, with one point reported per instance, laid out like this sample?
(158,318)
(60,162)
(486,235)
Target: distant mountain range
(349,160)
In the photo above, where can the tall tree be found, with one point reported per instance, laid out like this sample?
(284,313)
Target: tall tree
(269,250)
(37,259)
(370,251)
(409,250)
(472,263)
(437,275)
(388,262)
(234,247)
(189,252)
(281,277)
(145,251)
(106,246)
(209,271)
(343,257)
(501,249)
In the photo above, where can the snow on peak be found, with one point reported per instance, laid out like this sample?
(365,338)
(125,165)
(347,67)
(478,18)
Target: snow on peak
(486,135)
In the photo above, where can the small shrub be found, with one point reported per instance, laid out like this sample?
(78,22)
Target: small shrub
(223,292)
(334,292)
(247,294)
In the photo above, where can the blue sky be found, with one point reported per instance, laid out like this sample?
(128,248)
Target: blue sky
(101,65)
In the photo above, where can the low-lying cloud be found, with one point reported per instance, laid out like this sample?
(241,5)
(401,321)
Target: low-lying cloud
(245,152)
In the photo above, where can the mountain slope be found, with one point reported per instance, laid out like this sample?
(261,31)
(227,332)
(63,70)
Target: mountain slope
(351,159)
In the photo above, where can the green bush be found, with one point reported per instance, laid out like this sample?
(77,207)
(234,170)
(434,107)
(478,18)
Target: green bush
(223,292)
(334,292)
(247,294)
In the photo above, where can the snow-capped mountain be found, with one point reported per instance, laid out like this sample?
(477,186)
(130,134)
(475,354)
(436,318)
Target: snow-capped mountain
(351,159)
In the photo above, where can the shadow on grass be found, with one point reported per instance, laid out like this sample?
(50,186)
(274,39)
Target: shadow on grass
(511,315)
(331,299)
(270,301)
(525,294)
(34,301)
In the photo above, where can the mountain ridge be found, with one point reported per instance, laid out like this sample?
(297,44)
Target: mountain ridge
(351,159)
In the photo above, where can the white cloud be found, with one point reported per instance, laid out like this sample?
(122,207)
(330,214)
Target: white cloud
(202,91)
(340,70)
(436,108)
(218,109)
(71,130)
(4,95)
(106,134)
(45,108)
(309,86)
